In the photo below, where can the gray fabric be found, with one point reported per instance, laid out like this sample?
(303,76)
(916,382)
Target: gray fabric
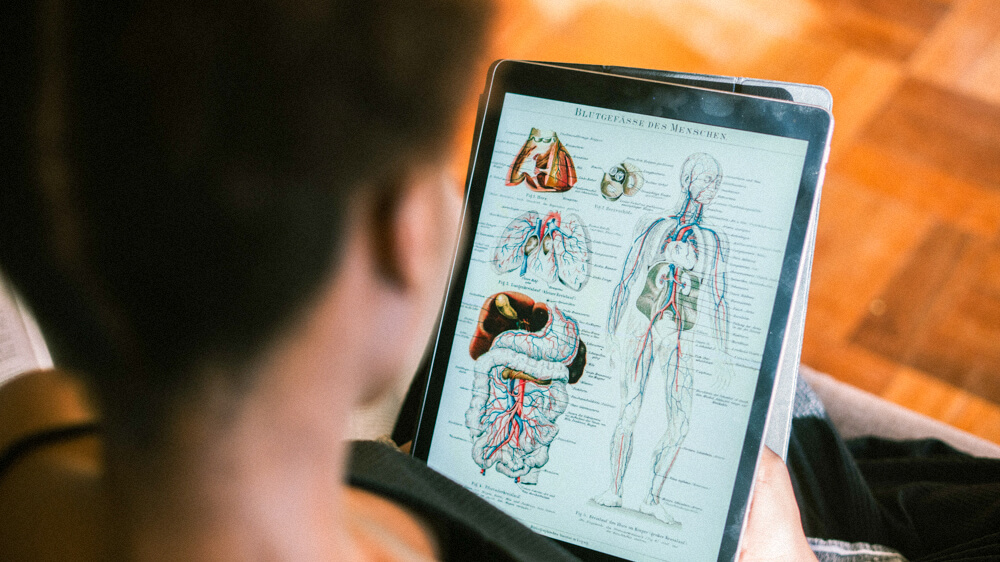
(807,403)
(838,551)
(856,413)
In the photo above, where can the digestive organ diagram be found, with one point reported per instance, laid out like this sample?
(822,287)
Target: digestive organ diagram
(624,179)
(550,167)
(553,247)
(526,352)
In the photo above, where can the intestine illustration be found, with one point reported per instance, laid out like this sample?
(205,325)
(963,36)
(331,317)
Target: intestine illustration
(552,169)
(553,247)
(525,353)
(625,178)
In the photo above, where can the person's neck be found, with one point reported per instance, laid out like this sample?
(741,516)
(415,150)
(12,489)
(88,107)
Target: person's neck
(264,480)
(690,211)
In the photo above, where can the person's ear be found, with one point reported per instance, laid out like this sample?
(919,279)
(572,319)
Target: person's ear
(415,228)
(411,240)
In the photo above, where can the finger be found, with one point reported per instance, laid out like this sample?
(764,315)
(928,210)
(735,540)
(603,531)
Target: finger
(774,528)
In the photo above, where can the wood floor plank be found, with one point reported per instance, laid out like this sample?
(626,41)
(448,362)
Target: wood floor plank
(596,34)
(724,37)
(925,394)
(947,130)
(862,238)
(978,417)
(814,59)
(860,85)
(914,290)
(890,29)
(919,15)
(968,205)
(849,363)
(962,345)
(963,52)
(937,399)
(941,314)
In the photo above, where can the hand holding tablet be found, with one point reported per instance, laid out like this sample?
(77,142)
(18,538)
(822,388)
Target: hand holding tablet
(774,526)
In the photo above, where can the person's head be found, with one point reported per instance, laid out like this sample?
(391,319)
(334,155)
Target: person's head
(700,177)
(187,176)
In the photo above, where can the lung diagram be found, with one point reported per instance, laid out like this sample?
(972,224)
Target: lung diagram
(553,247)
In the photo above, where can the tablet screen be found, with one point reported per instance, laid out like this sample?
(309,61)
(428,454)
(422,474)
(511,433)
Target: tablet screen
(609,325)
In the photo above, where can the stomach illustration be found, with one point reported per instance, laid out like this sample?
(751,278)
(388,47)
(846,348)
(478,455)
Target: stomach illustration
(526,353)
(553,247)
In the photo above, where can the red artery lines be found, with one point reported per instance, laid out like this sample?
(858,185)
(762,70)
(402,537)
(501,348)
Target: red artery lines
(553,216)
(512,420)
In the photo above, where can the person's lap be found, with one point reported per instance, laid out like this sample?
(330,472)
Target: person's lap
(922,498)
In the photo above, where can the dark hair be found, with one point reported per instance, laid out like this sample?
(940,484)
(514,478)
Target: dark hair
(181,169)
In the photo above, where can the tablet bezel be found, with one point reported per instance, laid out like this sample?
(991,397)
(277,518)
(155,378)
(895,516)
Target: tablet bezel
(659,99)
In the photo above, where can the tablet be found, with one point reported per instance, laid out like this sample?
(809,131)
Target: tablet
(608,347)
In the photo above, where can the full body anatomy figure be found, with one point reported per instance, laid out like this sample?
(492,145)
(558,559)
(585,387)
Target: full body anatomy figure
(675,267)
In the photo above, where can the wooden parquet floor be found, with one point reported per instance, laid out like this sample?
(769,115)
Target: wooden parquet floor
(905,298)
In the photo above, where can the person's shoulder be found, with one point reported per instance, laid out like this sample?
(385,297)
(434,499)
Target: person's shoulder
(39,401)
(50,467)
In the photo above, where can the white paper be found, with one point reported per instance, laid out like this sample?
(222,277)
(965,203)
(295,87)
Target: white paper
(22,347)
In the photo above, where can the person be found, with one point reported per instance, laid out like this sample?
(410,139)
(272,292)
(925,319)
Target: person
(232,222)
(671,262)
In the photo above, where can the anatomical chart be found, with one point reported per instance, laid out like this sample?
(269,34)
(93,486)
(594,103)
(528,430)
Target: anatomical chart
(526,352)
(612,324)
